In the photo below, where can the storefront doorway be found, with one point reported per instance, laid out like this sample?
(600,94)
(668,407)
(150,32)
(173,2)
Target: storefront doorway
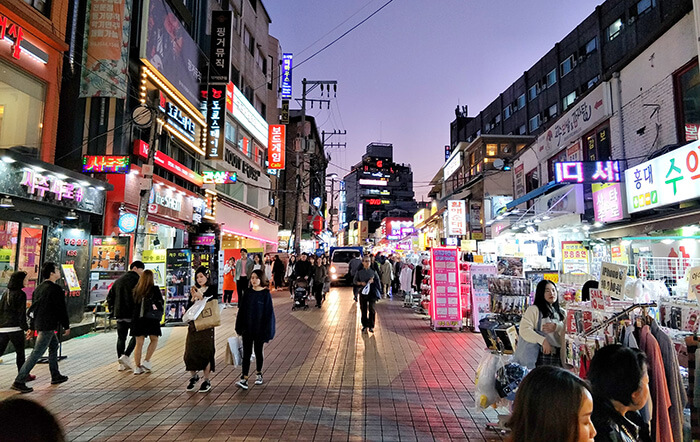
(21,251)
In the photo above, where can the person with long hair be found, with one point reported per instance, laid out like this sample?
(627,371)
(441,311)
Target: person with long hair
(199,346)
(148,312)
(277,272)
(543,324)
(568,404)
(289,274)
(13,318)
(257,264)
(255,323)
(229,281)
(327,281)
(320,275)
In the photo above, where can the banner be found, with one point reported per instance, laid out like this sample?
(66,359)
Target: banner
(220,53)
(178,280)
(106,49)
(574,257)
(276,146)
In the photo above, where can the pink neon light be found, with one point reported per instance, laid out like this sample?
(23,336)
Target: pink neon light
(233,232)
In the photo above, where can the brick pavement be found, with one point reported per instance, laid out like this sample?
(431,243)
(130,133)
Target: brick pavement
(324,380)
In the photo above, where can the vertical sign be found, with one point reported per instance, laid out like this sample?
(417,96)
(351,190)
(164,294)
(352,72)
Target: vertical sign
(607,202)
(456,218)
(220,53)
(215,121)
(284,113)
(275,150)
(445,298)
(286,74)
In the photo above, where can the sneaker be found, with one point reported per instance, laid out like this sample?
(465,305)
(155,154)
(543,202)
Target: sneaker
(243,383)
(371,330)
(193,382)
(225,306)
(30,377)
(59,380)
(139,370)
(205,387)
(258,379)
(146,366)
(122,367)
(21,387)
(364,329)
(124,359)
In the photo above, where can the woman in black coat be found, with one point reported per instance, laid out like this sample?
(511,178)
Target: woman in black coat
(255,323)
(13,318)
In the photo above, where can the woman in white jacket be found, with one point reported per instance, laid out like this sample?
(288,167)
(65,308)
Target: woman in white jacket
(543,324)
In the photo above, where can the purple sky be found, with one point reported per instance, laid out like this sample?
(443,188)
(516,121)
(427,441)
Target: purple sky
(402,73)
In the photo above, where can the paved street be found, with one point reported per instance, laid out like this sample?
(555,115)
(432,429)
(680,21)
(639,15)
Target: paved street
(324,380)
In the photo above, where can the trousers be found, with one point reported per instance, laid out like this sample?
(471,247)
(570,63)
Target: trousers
(367,310)
(250,342)
(17,339)
(44,340)
(123,328)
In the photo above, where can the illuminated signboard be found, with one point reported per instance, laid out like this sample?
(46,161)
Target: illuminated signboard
(286,89)
(127,222)
(364,182)
(14,32)
(607,202)
(377,201)
(668,179)
(216,101)
(106,164)
(456,217)
(167,163)
(452,165)
(448,152)
(220,52)
(587,172)
(219,177)
(44,185)
(276,146)
(181,122)
(245,113)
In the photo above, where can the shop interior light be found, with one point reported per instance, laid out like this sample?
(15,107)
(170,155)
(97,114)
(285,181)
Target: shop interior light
(499,217)
(71,215)
(8,160)
(6,202)
(546,217)
(515,211)
(667,241)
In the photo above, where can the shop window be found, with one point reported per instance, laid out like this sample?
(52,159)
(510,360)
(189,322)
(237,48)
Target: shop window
(491,150)
(520,147)
(521,101)
(532,180)
(29,258)
(612,31)
(551,78)
(687,95)
(8,251)
(567,65)
(21,109)
(252,197)
(568,101)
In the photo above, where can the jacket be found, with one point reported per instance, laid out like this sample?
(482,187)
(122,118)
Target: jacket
(386,272)
(354,265)
(154,300)
(13,309)
(278,267)
(48,309)
(302,269)
(120,298)
(248,268)
(256,316)
(611,426)
(320,274)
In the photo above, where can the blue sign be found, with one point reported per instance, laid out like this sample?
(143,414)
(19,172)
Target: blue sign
(578,172)
(287,76)
(127,222)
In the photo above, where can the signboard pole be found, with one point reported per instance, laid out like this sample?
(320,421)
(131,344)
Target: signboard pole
(146,183)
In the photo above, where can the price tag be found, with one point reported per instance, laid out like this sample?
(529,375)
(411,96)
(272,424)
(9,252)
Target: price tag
(597,299)
(571,322)
(587,321)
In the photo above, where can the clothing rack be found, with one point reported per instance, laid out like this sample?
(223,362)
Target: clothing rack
(617,316)
(692,345)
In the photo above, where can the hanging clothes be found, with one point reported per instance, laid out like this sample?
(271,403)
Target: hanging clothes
(661,421)
(406,277)
(676,389)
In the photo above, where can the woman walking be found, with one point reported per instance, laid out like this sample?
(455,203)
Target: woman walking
(229,281)
(257,264)
(268,271)
(289,274)
(278,272)
(386,273)
(148,312)
(199,347)
(320,275)
(13,318)
(255,323)
(543,324)
(327,281)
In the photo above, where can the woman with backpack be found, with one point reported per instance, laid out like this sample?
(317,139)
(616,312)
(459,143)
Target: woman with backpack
(148,312)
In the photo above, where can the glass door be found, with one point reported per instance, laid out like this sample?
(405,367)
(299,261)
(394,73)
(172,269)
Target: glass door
(30,255)
(8,250)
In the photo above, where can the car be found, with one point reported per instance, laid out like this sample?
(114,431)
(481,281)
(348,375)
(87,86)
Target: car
(340,263)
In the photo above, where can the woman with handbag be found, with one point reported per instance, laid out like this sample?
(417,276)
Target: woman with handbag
(255,323)
(13,318)
(542,329)
(148,312)
(199,346)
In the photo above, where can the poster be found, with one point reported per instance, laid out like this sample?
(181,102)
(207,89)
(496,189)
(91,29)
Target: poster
(109,253)
(445,298)
(178,280)
(510,266)
(612,279)
(574,257)
(597,299)
(535,276)
(693,283)
(154,260)
(479,274)
(70,278)
(100,283)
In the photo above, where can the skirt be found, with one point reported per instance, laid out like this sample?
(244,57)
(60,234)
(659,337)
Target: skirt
(145,327)
(199,349)
(551,359)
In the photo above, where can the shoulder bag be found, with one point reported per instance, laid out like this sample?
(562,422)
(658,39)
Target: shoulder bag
(210,316)
(526,353)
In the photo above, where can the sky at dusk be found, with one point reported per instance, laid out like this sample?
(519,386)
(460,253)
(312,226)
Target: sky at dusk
(403,72)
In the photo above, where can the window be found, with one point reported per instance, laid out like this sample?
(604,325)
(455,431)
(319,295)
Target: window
(260,59)
(491,150)
(522,130)
(521,101)
(592,82)
(248,41)
(644,6)
(614,29)
(532,180)
(552,111)
(567,65)
(534,123)
(497,120)
(532,93)
(21,109)
(551,78)
(591,46)
(43,6)
(568,100)
(687,95)
(230,132)
(507,112)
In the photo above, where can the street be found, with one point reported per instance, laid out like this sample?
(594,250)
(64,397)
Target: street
(324,380)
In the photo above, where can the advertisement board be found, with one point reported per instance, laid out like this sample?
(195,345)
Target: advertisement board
(108,262)
(452,164)
(612,279)
(246,114)
(445,297)
(178,280)
(286,77)
(481,306)
(574,257)
(576,172)
(607,202)
(154,260)
(220,51)
(276,146)
(106,163)
(456,218)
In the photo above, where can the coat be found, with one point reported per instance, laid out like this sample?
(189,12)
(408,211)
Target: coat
(48,309)
(256,315)
(386,272)
(120,298)
(248,268)
(13,309)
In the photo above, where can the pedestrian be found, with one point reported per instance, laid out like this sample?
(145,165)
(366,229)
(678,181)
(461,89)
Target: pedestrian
(255,323)
(374,264)
(13,318)
(567,400)
(268,270)
(303,269)
(386,273)
(354,265)
(364,277)
(320,275)
(396,283)
(619,380)
(543,324)
(48,314)
(28,421)
(257,264)
(199,347)
(278,272)
(148,312)
(120,301)
(244,267)
(229,281)
(289,274)
(327,280)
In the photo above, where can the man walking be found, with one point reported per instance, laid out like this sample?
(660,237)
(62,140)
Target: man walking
(303,268)
(367,277)
(354,265)
(120,301)
(244,268)
(48,314)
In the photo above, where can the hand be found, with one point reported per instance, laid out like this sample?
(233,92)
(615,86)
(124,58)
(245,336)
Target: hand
(546,347)
(67,332)
(29,334)
(371,280)
(549,328)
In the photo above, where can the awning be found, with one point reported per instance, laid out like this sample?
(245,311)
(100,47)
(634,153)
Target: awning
(647,225)
(533,194)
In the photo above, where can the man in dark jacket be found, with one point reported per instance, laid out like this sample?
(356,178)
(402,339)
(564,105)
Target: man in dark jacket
(120,301)
(303,268)
(354,266)
(48,313)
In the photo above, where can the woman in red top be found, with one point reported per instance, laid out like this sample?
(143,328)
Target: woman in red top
(230,282)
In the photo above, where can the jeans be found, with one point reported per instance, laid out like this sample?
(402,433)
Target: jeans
(45,339)
(123,333)
(367,304)
(17,339)
(248,343)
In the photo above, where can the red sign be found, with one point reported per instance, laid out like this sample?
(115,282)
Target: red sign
(374,202)
(275,150)
(167,163)
(229,97)
(14,31)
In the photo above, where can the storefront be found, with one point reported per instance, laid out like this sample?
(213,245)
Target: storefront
(241,228)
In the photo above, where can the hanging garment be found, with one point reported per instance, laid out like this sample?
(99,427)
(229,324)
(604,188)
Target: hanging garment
(676,389)
(629,340)
(406,278)
(661,421)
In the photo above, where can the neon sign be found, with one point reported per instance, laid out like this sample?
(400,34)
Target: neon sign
(106,164)
(364,182)
(219,177)
(180,121)
(286,76)
(215,117)
(167,163)
(15,31)
(275,153)
(41,185)
(587,172)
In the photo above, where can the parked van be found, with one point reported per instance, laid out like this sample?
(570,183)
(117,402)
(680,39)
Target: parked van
(340,259)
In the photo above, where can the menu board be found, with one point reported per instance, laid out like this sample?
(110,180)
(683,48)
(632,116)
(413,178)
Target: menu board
(445,299)
(480,291)
(178,280)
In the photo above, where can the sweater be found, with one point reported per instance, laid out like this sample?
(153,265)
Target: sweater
(256,315)
(13,309)
(48,309)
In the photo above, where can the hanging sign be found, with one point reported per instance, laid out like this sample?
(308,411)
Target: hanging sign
(216,99)
(106,164)
(597,299)
(286,74)
(284,112)
(612,279)
(276,146)
(456,218)
(220,53)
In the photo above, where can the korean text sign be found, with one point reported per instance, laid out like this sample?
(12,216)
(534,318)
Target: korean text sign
(220,54)
(612,279)
(215,121)
(106,164)
(286,76)
(276,146)
(668,179)
(587,172)
(445,298)
(457,218)
(607,202)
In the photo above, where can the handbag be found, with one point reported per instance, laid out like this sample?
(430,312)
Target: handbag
(526,353)
(151,313)
(234,351)
(365,289)
(194,311)
(210,316)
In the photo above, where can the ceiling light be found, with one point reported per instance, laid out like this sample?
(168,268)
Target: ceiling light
(6,202)
(71,215)
(667,241)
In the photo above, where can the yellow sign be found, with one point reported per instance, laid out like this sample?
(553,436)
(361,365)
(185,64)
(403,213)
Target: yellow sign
(153,256)
(554,277)
(70,277)
(574,257)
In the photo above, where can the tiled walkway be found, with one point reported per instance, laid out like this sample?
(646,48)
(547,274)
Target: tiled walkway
(324,380)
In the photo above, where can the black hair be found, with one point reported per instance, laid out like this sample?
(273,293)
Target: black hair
(586,289)
(545,308)
(616,372)
(16,281)
(204,271)
(244,250)
(555,389)
(31,422)
(47,269)
(137,264)
(261,276)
